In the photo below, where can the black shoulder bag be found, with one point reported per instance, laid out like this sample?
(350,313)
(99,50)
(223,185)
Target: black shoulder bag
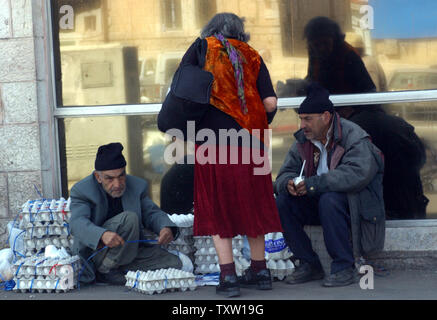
(188,97)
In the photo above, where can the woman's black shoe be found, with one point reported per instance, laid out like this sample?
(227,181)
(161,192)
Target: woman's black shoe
(229,286)
(262,280)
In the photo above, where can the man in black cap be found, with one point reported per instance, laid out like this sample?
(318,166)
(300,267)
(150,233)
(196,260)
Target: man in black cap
(109,210)
(341,191)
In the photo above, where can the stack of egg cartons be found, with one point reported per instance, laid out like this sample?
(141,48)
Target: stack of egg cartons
(160,281)
(184,243)
(278,256)
(39,274)
(45,222)
(206,259)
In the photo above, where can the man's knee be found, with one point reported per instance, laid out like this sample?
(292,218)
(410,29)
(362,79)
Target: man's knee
(129,219)
(331,203)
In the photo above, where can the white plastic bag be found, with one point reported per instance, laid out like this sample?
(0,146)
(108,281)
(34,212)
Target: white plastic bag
(6,265)
(16,239)
(187,265)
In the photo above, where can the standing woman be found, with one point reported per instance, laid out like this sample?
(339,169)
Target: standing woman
(232,199)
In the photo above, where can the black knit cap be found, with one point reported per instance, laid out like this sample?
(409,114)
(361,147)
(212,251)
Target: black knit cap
(109,157)
(317,100)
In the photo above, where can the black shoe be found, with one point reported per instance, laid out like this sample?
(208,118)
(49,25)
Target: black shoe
(261,280)
(342,278)
(305,272)
(229,286)
(114,277)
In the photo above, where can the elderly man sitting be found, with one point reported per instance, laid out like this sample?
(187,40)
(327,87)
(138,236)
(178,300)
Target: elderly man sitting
(342,192)
(110,208)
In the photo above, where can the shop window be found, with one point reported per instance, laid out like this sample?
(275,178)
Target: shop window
(126,67)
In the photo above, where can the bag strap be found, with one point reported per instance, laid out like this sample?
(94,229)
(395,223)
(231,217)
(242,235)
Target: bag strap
(201,52)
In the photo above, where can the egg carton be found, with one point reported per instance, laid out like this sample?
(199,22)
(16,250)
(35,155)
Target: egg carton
(185,249)
(46,205)
(38,274)
(184,241)
(38,231)
(50,268)
(186,232)
(160,281)
(212,252)
(241,264)
(45,218)
(280,269)
(34,246)
(207,242)
(38,285)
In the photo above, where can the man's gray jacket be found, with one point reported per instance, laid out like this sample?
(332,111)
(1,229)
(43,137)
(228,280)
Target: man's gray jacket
(89,209)
(356,168)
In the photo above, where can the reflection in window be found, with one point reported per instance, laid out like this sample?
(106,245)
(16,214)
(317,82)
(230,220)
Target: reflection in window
(91,23)
(205,10)
(172,14)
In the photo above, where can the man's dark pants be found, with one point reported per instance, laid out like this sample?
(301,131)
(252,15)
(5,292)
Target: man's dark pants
(331,211)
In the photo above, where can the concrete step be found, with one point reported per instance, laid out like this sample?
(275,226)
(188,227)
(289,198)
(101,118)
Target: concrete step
(409,245)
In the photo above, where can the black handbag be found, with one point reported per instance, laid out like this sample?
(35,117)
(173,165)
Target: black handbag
(192,83)
(188,97)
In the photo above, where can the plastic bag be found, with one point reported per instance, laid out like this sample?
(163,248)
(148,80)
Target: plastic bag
(16,239)
(187,265)
(6,265)
(275,247)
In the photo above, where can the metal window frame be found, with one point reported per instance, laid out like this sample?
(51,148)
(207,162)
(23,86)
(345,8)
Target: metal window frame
(283,103)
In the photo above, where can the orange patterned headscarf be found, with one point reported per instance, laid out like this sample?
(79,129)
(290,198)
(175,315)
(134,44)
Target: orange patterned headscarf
(224,93)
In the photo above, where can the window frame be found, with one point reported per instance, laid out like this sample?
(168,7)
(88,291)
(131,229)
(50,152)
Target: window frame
(59,111)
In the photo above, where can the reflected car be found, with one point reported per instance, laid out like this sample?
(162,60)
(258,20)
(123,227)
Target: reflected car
(413,79)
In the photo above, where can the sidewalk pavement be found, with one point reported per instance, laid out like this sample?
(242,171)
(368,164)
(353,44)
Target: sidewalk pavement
(398,285)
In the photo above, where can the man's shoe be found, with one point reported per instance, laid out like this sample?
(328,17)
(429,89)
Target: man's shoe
(262,280)
(342,278)
(229,286)
(305,272)
(115,277)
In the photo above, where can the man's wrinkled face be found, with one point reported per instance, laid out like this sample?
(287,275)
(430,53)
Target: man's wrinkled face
(315,125)
(112,181)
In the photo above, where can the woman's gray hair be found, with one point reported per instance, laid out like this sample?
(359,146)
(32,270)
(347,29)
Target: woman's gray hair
(228,24)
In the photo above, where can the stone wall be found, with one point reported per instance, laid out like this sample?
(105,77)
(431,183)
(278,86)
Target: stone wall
(23,115)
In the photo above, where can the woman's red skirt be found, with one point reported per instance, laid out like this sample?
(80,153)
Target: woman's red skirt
(230,199)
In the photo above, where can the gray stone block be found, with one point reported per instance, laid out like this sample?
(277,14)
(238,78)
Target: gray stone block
(39,17)
(5,19)
(4,203)
(409,239)
(20,102)
(4,233)
(17,60)
(22,188)
(22,18)
(20,148)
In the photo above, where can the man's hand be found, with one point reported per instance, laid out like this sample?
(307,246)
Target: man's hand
(111,239)
(165,236)
(301,189)
(291,188)
(297,191)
